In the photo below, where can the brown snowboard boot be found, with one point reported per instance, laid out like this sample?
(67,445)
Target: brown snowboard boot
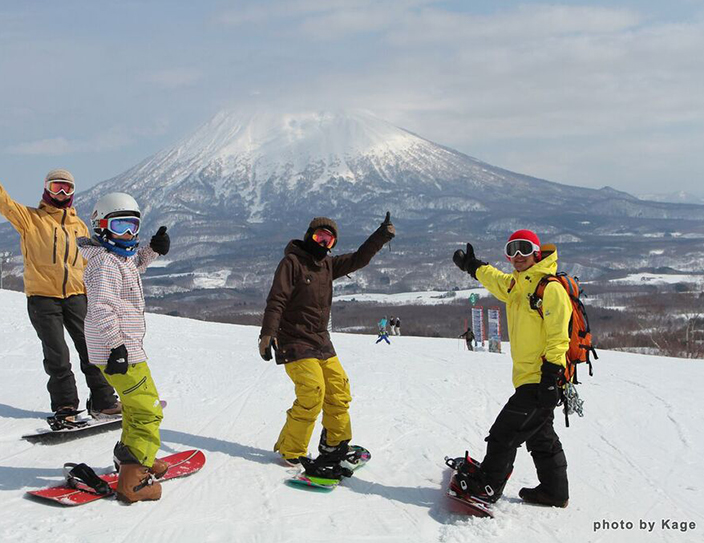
(159,468)
(135,484)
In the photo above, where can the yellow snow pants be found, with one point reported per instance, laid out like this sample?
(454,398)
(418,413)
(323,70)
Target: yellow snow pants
(141,411)
(319,385)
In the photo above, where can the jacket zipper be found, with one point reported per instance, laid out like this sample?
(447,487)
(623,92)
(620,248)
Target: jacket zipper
(55,234)
(63,227)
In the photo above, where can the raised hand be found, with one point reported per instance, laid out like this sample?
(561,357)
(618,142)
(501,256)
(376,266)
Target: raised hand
(160,243)
(387,228)
(467,261)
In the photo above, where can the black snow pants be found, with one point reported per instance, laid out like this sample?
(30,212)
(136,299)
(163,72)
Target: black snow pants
(522,420)
(49,316)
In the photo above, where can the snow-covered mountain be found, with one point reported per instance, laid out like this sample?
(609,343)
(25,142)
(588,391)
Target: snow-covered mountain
(636,454)
(243,184)
(679,197)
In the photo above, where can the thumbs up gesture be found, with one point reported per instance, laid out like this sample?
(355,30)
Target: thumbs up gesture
(160,242)
(387,228)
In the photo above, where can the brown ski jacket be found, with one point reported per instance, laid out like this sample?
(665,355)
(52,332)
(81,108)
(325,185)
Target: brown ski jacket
(298,306)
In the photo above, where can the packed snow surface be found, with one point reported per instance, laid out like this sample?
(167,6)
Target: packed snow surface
(636,455)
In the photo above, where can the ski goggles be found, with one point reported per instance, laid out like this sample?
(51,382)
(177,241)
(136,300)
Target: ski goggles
(521,247)
(121,225)
(324,237)
(58,186)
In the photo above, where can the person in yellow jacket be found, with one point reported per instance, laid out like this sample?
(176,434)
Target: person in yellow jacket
(538,348)
(53,283)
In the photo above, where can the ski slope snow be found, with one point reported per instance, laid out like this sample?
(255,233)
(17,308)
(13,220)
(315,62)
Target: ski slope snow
(635,456)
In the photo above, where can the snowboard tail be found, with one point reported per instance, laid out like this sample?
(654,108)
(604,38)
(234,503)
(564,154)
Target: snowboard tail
(180,465)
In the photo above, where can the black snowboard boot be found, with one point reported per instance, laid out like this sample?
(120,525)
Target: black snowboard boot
(332,453)
(470,481)
(538,496)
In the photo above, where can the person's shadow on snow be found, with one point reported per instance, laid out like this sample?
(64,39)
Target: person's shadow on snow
(433,498)
(10,412)
(12,478)
(212,444)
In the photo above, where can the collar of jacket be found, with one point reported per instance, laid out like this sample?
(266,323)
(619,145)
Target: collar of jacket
(547,266)
(55,210)
(294,247)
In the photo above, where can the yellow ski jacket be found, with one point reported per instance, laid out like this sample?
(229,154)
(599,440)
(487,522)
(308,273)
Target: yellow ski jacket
(52,265)
(532,337)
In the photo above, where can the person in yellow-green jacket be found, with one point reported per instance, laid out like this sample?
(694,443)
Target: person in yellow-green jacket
(56,296)
(538,348)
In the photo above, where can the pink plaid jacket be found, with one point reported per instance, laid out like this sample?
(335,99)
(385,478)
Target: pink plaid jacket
(115,301)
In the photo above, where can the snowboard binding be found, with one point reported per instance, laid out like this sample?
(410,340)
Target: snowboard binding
(82,477)
(64,419)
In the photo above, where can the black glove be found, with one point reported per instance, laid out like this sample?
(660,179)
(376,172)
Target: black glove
(117,362)
(160,242)
(550,388)
(266,344)
(387,230)
(467,261)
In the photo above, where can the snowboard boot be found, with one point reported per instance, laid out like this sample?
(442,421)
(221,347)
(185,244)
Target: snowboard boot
(470,481)
(111,412)
(66,412)
(159,468)
(136,484)
(122,455)
(538,496)
(333,453)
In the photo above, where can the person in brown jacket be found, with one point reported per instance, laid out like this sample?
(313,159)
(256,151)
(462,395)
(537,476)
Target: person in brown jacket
(295,325)
(56,299)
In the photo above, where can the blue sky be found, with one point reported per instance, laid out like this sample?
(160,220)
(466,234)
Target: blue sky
(586,93)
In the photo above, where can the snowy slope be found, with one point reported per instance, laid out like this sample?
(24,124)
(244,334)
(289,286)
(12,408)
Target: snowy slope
(636,455)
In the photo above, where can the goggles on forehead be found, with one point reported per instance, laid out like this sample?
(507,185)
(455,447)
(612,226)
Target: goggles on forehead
(324,237)
(58,186)
(121,225)
(521,247)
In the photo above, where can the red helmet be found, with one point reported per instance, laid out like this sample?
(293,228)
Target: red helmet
(530,245)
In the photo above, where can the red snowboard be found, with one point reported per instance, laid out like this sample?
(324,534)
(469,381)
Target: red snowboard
(467,505)
(180,464)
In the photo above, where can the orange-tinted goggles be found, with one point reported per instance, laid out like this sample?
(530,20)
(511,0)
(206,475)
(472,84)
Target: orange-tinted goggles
(57,187)
(324,238)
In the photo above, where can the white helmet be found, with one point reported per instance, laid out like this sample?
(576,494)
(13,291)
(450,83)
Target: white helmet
(115,204)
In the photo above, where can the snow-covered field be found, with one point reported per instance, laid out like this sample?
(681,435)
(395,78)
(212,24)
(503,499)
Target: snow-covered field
(425,297)
(659,278)
(635,456)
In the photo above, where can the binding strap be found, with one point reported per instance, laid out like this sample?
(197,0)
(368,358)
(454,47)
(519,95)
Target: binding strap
(82,477)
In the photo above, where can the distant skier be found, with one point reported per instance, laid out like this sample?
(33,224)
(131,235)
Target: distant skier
(295,326)
(382,324)
(53,283)
(398,326)
(392,326)
(383,336)
(538,348)
(115,329)
(468,338)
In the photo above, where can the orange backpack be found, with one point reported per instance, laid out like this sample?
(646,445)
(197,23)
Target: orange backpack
(581,346)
